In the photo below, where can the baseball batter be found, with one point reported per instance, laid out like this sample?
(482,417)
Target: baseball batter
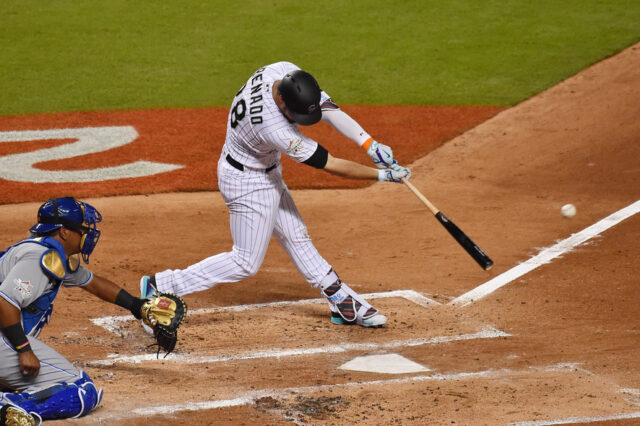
(37,382)
(262,125)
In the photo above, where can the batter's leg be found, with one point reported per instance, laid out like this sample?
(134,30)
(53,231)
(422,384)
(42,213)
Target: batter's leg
(347,306)
(291,232)
(253,200)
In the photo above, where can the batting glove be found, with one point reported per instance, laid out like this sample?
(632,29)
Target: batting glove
(381,155)
(395,174)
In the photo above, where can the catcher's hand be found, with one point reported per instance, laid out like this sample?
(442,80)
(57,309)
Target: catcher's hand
(164,313)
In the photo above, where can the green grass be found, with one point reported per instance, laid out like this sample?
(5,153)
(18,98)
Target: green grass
(69,55)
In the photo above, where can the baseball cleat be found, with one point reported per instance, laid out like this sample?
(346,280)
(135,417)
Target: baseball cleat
(12,415)
(147,290)
(349,308)
(377,320)
(147,287)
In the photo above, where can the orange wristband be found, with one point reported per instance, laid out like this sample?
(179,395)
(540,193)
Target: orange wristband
(367,144)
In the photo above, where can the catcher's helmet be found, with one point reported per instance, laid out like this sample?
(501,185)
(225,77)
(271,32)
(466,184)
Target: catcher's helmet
(301,94)
(72,214)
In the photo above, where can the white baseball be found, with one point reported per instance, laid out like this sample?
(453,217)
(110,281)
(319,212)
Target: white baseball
(568,210)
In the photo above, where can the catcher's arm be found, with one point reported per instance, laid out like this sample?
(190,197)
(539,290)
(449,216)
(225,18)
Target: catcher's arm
(14,333)
(111,292)
(164,312)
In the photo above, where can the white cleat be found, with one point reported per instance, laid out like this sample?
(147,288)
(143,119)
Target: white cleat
(377,320)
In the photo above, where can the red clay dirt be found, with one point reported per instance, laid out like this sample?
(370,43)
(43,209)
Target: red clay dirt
(570,342)
(193,138)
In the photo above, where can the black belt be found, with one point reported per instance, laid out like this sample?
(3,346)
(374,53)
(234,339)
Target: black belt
(240,166)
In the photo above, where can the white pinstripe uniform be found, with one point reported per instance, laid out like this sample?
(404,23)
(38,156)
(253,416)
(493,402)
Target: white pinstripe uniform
(259,202)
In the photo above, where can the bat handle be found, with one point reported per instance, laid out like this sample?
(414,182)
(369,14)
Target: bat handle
(421,197)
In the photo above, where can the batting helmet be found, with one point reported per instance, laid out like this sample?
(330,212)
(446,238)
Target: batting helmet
(72,214)
(301,94)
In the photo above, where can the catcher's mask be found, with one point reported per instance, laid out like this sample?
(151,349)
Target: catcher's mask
(301,94)
(72,214)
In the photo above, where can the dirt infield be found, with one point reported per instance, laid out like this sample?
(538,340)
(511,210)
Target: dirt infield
(189,140)
(560,342)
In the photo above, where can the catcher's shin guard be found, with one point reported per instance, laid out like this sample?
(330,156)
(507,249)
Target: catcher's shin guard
(60,401)
(348,307)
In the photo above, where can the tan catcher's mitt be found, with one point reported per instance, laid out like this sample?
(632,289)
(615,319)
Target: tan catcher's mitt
(164,313)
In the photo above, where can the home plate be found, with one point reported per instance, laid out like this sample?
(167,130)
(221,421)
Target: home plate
(388,363)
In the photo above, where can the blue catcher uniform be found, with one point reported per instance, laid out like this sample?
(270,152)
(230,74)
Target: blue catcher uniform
(32,273)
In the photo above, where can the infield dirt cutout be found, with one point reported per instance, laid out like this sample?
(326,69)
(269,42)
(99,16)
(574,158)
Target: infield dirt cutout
(571,342)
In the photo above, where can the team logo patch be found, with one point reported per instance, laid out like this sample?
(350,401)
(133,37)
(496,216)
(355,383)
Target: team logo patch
(164,303)
(24,287)
(295,146)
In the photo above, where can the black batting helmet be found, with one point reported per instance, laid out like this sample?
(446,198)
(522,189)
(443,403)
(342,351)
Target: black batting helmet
(301,94)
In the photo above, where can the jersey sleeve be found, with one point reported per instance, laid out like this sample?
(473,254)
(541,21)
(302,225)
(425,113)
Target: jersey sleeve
(291,142)
(79,278)
(25,282)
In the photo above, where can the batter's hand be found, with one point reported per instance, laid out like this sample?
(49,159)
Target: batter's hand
(381,155)
(29,363)
(394,174)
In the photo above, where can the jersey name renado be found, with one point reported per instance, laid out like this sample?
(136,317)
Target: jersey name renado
(255,102)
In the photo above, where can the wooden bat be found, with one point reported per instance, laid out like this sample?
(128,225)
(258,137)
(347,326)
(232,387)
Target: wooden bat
(462,239)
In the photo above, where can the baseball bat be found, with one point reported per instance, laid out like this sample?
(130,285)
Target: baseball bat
(472,248)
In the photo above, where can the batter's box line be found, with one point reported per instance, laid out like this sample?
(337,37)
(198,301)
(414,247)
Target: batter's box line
(252,396)
(485,333)
(112,323)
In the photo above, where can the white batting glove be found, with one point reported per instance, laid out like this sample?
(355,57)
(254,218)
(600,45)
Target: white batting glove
(395,174)
(381,155)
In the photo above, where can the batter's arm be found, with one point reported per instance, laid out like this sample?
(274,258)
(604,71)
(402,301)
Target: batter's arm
(347,126)
(321,159)
(349,169)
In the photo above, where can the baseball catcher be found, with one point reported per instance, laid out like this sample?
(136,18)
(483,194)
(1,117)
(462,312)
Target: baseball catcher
(36,382)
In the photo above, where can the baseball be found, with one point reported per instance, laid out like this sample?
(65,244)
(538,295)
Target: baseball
(568,210)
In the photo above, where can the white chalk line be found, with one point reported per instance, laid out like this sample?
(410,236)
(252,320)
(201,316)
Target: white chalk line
(112,323)
(573,420)
(484,333)
(546,255)
(253,396)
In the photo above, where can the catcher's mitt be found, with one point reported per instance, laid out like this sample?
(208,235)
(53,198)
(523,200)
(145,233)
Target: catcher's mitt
(164,313)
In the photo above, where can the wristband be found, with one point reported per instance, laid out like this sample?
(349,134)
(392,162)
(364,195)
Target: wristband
(367,144)
(15,335)
(130,303)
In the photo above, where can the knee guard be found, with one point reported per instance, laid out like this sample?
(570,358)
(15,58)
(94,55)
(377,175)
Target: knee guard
(60,401)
